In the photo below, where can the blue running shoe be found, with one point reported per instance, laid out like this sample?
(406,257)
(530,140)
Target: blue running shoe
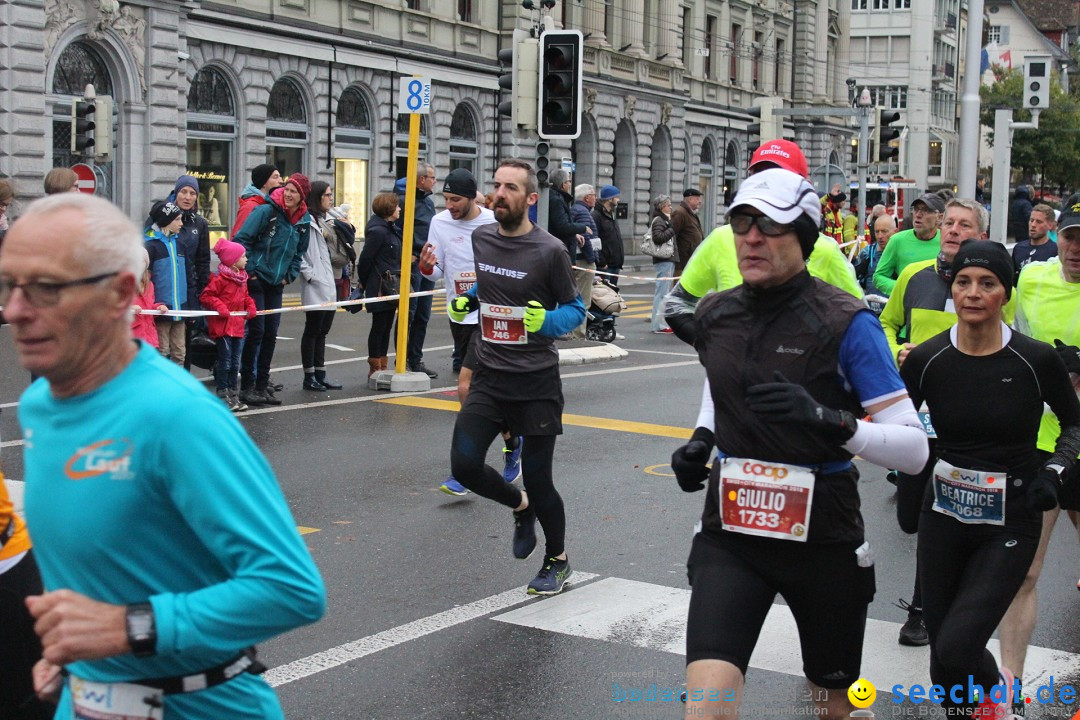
(453,487)
(551,578)
(524,533)
(512,461)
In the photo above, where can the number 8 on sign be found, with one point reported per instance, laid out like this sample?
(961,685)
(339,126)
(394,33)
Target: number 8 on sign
(414,95)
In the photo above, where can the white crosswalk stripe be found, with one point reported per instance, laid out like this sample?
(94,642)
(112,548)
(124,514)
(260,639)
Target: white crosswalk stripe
(654,616)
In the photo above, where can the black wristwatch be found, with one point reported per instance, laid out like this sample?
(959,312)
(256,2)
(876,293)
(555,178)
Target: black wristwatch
(141,630)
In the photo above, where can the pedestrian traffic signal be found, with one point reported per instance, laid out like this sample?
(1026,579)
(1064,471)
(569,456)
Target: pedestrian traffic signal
(1036,83)
(881,149)
(103,118)
(542,163)
(769,126)
(521,80)
(82,127)
(560,84)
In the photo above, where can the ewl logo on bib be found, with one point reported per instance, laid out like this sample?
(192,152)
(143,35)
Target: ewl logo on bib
(105,457)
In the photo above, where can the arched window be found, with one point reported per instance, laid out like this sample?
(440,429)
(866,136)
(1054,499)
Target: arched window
(287,128)
(706,181)
(401,143)
(731,171)
(210,94)
(463,145)
(352,150)
(211,134)
(79,65)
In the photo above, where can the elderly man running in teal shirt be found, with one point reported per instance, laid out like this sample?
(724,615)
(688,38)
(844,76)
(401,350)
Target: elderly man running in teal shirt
(165,545)
(921,242)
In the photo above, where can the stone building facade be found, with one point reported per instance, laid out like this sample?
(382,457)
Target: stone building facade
(216,87)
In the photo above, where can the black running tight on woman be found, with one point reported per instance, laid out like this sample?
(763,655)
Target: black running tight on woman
(970,574)
(473,435)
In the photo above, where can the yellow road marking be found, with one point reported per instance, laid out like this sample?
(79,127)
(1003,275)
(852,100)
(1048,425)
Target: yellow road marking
(600,423)
(655,470)
(306,530)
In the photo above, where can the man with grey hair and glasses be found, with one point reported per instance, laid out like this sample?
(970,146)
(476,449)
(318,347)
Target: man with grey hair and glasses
(166,548)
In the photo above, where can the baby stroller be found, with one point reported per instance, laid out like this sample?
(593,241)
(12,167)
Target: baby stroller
(606,305)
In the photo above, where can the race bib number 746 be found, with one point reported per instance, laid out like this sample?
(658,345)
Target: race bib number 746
(503,324)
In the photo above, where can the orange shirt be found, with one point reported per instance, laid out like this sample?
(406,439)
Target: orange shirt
(20,541)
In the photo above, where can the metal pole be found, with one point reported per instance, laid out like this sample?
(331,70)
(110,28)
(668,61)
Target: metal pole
(999,197)
(968,160)
(864,167)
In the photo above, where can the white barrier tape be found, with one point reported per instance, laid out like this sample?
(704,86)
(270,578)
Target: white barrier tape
(291,308)
(628,277)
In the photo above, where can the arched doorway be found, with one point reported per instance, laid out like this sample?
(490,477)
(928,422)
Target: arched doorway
(352,150)
(585,152)
(464,148)
(622,176)
(79,65)
(660,175)
(211,137)
(707,181)
(731,171)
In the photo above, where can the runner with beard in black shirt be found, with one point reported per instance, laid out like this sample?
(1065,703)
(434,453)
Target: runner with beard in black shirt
(526,295)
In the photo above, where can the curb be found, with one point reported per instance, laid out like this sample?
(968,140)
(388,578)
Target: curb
(588,355)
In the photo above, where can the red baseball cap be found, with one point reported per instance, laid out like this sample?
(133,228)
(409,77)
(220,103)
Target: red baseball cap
(781,153)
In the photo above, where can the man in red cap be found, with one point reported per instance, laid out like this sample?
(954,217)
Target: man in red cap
(714,266)
(779,153)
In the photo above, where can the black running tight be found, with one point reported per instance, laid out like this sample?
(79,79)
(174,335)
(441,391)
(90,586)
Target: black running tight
(969,576)
(473,435)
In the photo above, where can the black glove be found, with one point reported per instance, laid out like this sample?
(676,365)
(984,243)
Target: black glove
(689,462)
(786,402)
(1042,493)
(1070,355)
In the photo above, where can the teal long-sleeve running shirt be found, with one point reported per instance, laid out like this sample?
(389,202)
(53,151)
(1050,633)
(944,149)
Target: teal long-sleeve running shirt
(147,489)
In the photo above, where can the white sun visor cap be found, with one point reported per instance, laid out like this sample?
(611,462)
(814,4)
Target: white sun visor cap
(780,194)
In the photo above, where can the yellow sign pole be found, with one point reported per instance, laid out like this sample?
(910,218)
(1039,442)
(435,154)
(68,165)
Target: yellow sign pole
(407,244)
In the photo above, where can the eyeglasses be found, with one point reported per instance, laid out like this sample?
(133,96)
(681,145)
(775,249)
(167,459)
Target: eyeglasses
(45,294)
(742,222)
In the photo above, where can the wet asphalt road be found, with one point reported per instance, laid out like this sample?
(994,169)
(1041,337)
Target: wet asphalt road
(362,476)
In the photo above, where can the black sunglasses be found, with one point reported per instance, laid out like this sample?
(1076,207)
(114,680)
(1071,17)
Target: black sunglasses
(742,222)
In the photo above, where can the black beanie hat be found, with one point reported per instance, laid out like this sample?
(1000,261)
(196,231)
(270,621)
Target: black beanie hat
(986,254)
(163,213)
(261,174)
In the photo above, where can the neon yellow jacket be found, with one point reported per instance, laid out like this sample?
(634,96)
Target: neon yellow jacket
(921,306)
(1048,309)
(714,266)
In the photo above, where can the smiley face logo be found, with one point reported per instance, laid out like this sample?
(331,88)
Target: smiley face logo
(862,693)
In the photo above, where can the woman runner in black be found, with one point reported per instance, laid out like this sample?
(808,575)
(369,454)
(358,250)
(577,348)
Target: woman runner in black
(982,509)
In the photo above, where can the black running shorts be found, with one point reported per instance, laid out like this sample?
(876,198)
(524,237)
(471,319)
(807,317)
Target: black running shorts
(525,403)
(735,579)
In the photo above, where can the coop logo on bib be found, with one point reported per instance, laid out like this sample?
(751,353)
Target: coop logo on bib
(504,324)
(463,281)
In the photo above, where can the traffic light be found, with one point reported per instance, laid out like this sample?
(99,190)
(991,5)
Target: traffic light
(521,81)
(103,111)
(560,84)
(1036,83)
(768,126)
(82,127)
(542,149)
(880,148)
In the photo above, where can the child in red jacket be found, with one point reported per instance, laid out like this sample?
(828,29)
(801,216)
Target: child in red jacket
(143,326)
(227,293)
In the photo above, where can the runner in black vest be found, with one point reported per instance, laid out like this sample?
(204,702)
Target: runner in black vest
(526,294)
(985,386)
(790,363)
